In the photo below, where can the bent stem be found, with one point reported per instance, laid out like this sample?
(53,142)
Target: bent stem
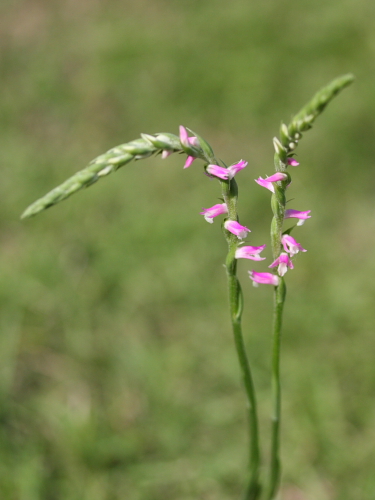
(279,299)
(253,490)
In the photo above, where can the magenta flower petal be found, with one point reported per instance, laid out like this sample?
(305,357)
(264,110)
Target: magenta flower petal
(283,262)
(189,161)
(235,227)
(193,141)
(249,252)
(221,172)
(290,245)
(187,142)
(233,169)
(184,136)
(302,216)
(214,211)
(296,213)
(279,176)
(267,182)
(264,183)
(264,278)
(293,162)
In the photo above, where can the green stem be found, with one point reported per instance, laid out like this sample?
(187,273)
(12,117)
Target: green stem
(279,299)
(253,489)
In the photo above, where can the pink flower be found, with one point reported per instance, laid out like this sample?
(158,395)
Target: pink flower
(214,211)
(226,173)
(290,245)
(293,162)
(283,262)
(264,278)
(221,172)
(302,216)
(235,228)
(233,169)
(267,182)
(249,252)
(187,142)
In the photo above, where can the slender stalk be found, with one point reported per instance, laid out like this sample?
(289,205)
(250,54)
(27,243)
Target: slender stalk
(279,299)
(253,489)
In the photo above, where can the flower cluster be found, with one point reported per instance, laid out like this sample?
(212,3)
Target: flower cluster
(290,245)
(194,149)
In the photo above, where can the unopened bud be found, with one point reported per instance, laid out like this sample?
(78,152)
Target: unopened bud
(284,133)
(292,145)
(154,141)
(279,148)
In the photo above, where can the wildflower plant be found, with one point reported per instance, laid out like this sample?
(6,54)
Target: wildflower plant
(284,246)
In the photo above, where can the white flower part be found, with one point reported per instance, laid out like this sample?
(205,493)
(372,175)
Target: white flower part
(166,153)
(282,269)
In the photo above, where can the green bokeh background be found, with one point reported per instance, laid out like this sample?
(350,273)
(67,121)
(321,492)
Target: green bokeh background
(118,376)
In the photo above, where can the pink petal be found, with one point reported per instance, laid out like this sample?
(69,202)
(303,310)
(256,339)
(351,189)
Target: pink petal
(293,162)
(214,211)
(184,137)
(221,172)
(248,252)
(233,169)
(283,262)
(264,183)
(297,214)
(264,278)
(291,245)
(189,161)
(235,228)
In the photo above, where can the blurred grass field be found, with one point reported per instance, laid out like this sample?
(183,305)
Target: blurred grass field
(118,376)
